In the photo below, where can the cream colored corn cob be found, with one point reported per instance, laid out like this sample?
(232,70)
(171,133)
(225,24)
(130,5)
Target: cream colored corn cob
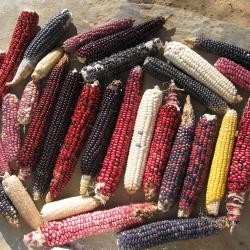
(197,67)
(221,162)
(142,136)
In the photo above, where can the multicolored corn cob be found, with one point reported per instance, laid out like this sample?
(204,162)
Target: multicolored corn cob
(2,57)
(221,161)
(200,157)
(4,166)
(178,159)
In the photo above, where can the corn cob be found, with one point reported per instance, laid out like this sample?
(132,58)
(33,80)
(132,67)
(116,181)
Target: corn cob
(45,40)
(100,136)
(22,201)
(221,162)
(142,136)
(200,157)
(4,166)
(230,51)
(60,122)
(197,67)
(121,61)
(239,171)
(81,121)
(178,159)
(115,159)
(30,151)
(165,231)
(2,57)
(234,72)
(204,95)
(76,227)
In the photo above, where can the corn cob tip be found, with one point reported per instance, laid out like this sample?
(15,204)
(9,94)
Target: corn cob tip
(190,41)
(168,17)
(37,196)
(63,60)
(131,191)
(84,185)
(146,212)
(210,117)
(49,198)
(81,59)
(156,42)
(184,212)
(150,192)
(98,195)
(34,239)
(188,112)
(138,68)
(12,222)
(238,99)
(165,206)
(95,83)
(213,208)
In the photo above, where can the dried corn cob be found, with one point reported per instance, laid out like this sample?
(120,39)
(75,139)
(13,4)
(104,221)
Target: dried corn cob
(121,61)
(200,157)
(21,200)
(160,232)
(221,162)
(4,166)
(76,227)
(204,95)
(60,122)
(2,57)
(99,138)
(30,151)
(115,159)
(197,67)
(178,159)
(45,40)
(142,136)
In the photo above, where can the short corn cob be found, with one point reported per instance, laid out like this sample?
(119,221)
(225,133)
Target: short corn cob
(178,159)
(81,122)
(161,232)
(60,122)
(201,154)
(230,51)
(30,151)
(4,166)
(234,72)
(121,61)
(165,129)
(115,159)
(141,140)
(204,95)
(221,162)
(100,136)
(21,200)
(197,67)
(116,25)
(45,40)
(108,45)
(76,227)
(2,57)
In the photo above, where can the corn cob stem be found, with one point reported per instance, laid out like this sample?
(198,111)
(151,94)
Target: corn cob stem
(4,166)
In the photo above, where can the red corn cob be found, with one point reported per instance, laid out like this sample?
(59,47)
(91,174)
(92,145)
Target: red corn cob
(2,57)
(4,167)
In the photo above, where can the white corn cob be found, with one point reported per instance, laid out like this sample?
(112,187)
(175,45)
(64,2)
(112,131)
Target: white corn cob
(142,136)
(197,67)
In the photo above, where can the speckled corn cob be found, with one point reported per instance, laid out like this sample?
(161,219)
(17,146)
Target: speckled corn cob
(4,166)
(2,57)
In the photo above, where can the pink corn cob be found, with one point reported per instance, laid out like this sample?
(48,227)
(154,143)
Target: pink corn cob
(4,167)
(2,56)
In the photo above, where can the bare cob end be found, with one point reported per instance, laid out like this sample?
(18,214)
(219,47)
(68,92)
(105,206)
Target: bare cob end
(190,41)
(84,185)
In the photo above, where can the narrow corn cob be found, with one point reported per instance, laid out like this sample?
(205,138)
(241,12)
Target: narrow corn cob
(60,122)
(178,159)
(165,231)
(142,136)
(4,166)
(221,162)
(201,154)
(22,201)
(165,129)
(116,25)
(45,40)
(197,67)
(115,159)
(81,121)
(234,72)
(76,227)
(204,95)
(121,61)
(100,136)
(30,151)
(2,57)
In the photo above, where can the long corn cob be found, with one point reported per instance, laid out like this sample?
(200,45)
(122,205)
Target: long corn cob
(178,159)
(2,57)
(221,162)
(4,166)
(200,157)
(204,95)
(76,227)
(115,159)
(142,136)
(197,67)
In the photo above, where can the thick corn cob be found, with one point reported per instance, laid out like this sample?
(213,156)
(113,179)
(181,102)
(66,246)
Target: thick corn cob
(4,166)
(142,136)
(221,162)
(76,227)
(204,95)
(121,61)
(197,67)
(200,157)
(178,159)
(115,159)
(2,57)
(100,136)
